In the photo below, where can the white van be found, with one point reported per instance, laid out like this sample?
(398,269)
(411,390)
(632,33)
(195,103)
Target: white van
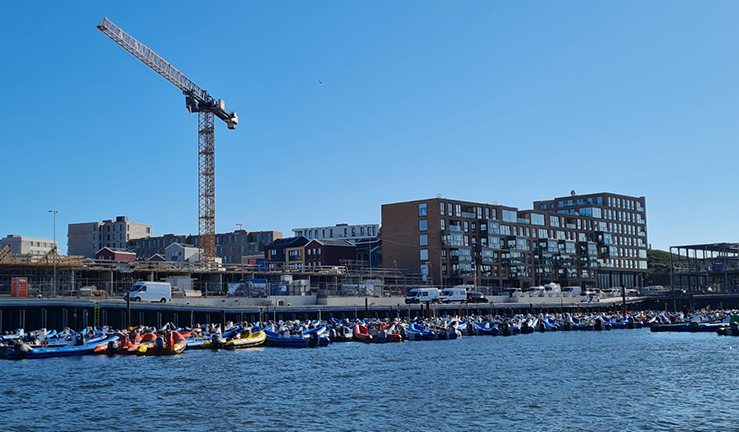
(418,295)
(455,294)
(150,291)
(573,291)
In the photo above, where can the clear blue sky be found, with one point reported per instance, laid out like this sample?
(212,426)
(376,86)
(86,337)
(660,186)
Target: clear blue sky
(477,100)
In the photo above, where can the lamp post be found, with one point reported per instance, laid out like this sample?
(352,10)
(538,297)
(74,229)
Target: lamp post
(241,250)
(54,212)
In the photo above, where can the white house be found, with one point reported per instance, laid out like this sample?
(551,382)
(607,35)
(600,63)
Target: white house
(182,253)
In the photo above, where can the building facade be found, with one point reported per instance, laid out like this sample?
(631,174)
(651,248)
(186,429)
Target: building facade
(85,239)
(596,240)
(231,247)
(286,253)
(179,252)
(320,253)
(338,232)
(26,245)
(115,254)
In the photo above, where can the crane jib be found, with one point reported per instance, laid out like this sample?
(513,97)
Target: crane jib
(207,107)
(204,102)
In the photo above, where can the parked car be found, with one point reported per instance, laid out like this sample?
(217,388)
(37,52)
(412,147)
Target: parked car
(589,296)
(476,297)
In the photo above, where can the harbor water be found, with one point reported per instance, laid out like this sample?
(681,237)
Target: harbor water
(589,381)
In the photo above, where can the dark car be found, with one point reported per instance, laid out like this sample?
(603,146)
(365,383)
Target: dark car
(476,297)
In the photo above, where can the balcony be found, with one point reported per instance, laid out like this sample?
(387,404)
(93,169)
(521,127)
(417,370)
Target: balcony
(455,228)
(468,215)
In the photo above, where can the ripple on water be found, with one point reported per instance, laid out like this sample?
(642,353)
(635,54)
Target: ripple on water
(619,380)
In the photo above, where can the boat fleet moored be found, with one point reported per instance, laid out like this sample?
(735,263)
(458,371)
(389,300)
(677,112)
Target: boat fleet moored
(172,340)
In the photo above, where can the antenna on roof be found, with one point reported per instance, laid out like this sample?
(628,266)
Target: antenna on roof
(573,193)
(439,196)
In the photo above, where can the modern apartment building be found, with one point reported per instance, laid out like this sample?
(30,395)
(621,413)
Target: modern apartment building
(320,253)
(339,232)
(595,240)
(286,253)
(85,239)
(229,246)
(26,245)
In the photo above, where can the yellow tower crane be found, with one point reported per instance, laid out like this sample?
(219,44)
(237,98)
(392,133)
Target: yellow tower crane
(199,101)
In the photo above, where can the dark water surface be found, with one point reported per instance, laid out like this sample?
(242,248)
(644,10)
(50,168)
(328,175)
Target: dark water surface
(623,380)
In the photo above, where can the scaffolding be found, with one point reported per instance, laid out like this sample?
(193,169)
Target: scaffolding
(703,268)
(79,276)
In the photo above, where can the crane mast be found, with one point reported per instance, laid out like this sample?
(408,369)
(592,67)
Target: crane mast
(199,101)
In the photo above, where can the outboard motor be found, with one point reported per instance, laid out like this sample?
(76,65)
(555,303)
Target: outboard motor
(598,324)
(734,329)
(159,346)
(505,328)
(113,347)
(215,341)
(313,340)
(542,326)
(20,349)
(470,329)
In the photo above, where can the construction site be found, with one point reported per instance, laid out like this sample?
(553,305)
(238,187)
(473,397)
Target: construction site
(54,276)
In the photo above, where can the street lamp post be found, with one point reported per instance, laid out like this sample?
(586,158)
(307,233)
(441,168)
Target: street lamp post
(54,249)
(241,249)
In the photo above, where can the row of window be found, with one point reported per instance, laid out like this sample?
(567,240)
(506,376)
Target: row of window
(516,268)
(624,203)
(119,237)
(120,228)
(251,238)
(451,209)
(361,231)
(38,244)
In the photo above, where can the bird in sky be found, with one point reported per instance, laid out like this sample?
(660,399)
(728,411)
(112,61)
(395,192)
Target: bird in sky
(320,82)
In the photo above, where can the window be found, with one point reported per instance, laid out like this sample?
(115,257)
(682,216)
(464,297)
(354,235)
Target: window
(422,210)
(424,254)
(443,224)
(442,206)
(423,240)
(458,210)
(537,219)
(509,216)
(554,221)
(422,225)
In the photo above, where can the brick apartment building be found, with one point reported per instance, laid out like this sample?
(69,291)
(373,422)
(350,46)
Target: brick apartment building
(595,240)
